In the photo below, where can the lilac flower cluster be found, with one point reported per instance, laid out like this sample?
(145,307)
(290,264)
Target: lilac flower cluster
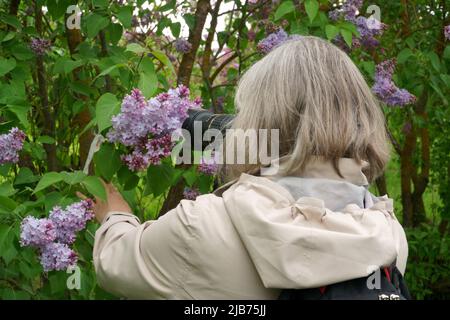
(191,193)
(367,28)
(10,145)
(386,89)
(146,126)
(447,32)
(53,235)
(182,45)
(273,40)
(208,165)
(40,46)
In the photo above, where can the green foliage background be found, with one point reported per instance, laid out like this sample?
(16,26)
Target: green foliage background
(63,98)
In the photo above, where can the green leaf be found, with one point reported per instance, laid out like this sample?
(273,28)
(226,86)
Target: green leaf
(125,16)
(347,35)
(136,48)
(6,189)
(312,8)
(100,3)
(12,21)
(109,70)
(95,187)
(7,205)
(107,105)
(46,140)
(435,62)
(447,52)
(95,23)
(115,32)
(47,180)
(161,56)
(21,113)
(148,81)
(9,36)
(331,31)
(369,67)
(284,8)
(190,176)
(175,29)
(127,178)
(446,79)
(22,52)
(403,55)
(70,65)
(25,176)
(107,161)
(190,20)
(160,178)
(72,178)
(6,65)
(4,232)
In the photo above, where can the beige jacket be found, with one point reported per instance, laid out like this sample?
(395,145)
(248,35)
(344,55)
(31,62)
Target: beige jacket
(263,234)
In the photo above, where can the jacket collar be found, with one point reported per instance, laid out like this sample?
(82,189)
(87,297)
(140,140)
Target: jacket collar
(317,167)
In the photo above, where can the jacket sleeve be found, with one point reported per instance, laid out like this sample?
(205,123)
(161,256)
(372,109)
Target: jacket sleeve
(144,261)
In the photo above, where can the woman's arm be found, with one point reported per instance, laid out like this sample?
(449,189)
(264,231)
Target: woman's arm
(142,261)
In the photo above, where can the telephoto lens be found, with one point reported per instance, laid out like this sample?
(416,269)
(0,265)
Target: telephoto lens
(208,120)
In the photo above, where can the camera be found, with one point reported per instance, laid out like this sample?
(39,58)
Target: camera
(208,120)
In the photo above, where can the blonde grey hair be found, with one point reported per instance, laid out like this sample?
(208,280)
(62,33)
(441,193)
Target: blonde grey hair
(315,95)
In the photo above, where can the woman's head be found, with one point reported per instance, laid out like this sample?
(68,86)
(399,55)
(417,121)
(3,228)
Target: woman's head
(314,94)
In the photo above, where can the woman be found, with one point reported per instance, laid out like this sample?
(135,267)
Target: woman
(307,226)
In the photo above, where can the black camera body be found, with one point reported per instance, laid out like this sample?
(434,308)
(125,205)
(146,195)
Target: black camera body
(208,120)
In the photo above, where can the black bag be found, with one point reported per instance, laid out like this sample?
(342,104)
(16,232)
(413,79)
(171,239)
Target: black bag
(391,287)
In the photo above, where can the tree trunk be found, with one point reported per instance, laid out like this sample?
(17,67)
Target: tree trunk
(184,75)
(195,36)
(49,121)
(74,38)
(381,185)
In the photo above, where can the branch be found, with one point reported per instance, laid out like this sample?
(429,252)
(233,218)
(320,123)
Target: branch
(195,36)
(49,122)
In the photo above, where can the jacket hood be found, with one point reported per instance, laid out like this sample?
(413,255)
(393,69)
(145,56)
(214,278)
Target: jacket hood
(316,228)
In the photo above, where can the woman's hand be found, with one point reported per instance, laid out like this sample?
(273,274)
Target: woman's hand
(114,202)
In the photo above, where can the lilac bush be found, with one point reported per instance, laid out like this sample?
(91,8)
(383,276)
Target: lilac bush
(57,256)
(53,235)
(447,32)
(145,126)
(368,28)
(182,45)
(273,40)
(386,89)
(40,46)
(10,145)
(71,220)
(208,165)
(191,193)
(37,232)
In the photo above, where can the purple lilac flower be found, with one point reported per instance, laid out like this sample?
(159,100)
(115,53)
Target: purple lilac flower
(10,145)
(182,45)
(40,46)
(53,235)
(57,256)
(191,193)
(386,89)
(447,32)
(71,220)
(367,28)
(208,165)
(146,126)
(37,232)
(273,40)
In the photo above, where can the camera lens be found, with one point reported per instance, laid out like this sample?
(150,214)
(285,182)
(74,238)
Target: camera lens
(208,120)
